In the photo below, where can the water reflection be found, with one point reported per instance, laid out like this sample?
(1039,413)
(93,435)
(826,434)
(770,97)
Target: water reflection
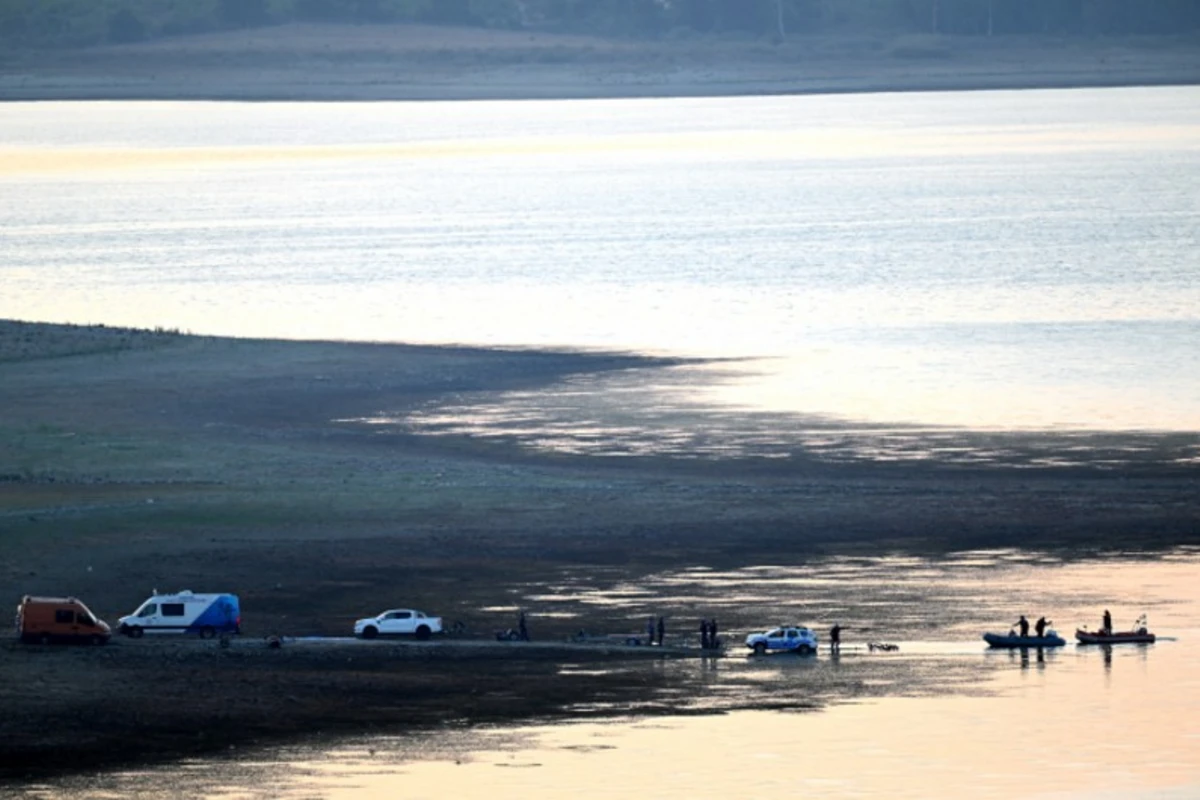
(1024,656)
(941,717)
(922,603)
(826,233)
(692,411)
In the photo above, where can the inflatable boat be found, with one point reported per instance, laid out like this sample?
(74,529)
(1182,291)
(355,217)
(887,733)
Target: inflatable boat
(1140,636)
(1051,639)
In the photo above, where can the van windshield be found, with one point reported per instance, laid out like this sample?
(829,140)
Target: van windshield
(147,610)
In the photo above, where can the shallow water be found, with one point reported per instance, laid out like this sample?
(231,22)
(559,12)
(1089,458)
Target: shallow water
(941,717)
(988,259)
(682,412)
(995,260)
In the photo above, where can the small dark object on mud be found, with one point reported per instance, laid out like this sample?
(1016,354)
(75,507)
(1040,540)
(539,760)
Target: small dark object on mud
(274,642)
(884,646)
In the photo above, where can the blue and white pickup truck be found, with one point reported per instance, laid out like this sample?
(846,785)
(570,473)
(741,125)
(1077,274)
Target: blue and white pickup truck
(784,639)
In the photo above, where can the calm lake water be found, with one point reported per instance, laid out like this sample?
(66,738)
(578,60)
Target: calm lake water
(993,259)
(943,717)
(1004,260)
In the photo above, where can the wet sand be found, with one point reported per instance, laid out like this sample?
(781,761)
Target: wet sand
(413,62)
(133,461)
(142,701)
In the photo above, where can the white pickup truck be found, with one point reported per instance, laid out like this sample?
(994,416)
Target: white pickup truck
(399,622)
(786,638)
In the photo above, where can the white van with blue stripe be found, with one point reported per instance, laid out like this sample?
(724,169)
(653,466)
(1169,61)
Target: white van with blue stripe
(184,612)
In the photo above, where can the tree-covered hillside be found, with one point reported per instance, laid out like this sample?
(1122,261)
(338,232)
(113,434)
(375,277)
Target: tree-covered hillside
(66,23)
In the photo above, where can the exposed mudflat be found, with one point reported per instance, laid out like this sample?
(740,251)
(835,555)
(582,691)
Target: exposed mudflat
(132,701)
(132,461)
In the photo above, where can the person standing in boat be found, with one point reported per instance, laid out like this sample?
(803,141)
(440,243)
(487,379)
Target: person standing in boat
(1023,625)
(1040,627)
(1107,622)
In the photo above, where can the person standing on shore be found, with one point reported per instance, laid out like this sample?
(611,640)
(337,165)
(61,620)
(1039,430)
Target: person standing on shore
(650,631)
(835,637)
(522,630)
(662,627)
(713,641)
(703,634)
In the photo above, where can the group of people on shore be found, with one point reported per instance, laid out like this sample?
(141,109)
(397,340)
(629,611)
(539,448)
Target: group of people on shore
(656,628)
(708,635)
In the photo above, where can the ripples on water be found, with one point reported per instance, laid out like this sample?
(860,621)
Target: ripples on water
(939,718)
(986,259)
(890,597)
(678,412)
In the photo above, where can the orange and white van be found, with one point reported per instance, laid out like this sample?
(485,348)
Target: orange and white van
(47,620)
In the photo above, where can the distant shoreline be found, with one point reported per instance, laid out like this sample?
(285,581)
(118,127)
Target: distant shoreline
(414,63)
(564,92)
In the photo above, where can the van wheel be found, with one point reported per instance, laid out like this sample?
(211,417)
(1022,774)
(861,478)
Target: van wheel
(134,632)
(207,632)
(423,632)
(804,650)
(760,649)
(370,632)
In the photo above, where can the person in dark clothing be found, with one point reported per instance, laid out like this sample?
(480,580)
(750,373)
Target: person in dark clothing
(713,641)
(1023,624)
(1107,621)
(1040,627)
(662,627)
(522,630)
(703,634)
(835,637)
